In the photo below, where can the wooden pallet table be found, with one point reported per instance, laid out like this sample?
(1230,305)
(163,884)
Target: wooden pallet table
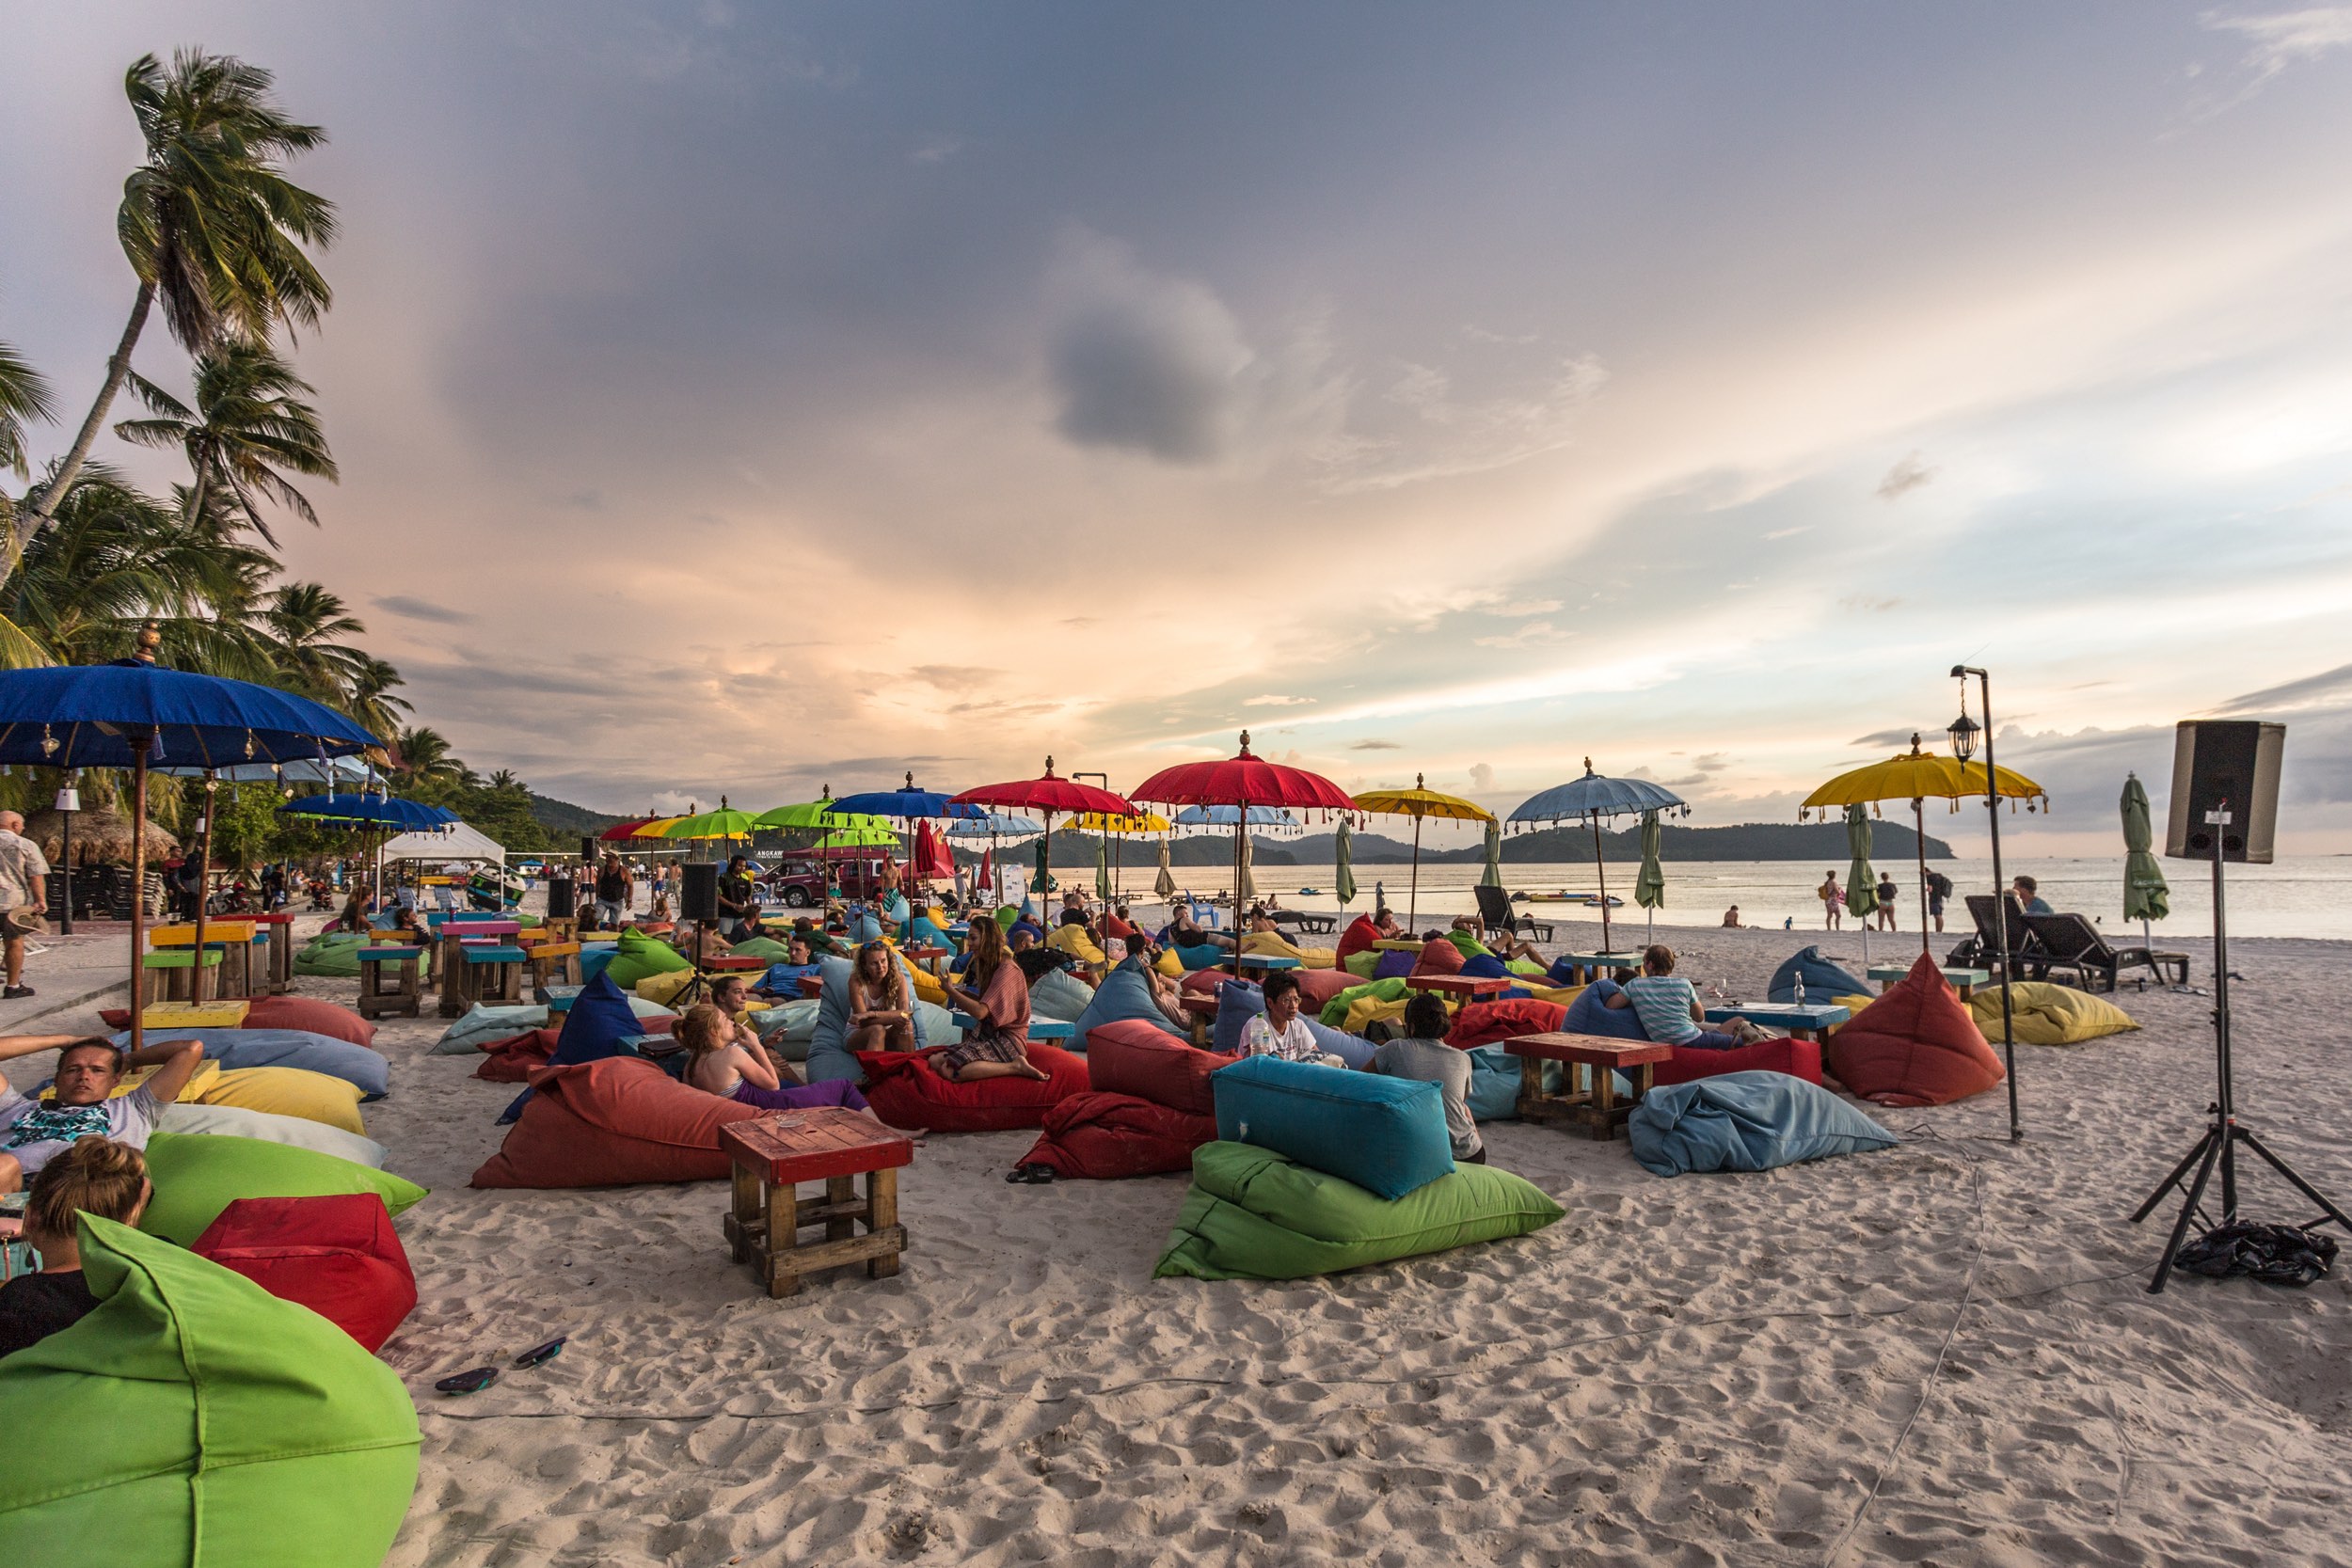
(774,1155)
(1598,1058)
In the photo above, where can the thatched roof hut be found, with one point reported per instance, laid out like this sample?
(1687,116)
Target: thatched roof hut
(100,837)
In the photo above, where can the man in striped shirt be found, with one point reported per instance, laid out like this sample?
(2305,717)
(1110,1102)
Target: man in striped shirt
(1669,1008)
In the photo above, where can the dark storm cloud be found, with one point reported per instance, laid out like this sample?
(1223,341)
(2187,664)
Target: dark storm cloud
(413,609)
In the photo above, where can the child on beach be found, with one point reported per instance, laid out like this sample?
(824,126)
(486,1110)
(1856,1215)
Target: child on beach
(723,1063)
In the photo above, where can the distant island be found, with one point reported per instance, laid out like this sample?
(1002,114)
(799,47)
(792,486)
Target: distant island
(1747,841)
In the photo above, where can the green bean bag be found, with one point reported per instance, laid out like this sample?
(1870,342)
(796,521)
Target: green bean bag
(334,954)
(1252,1214)
(642,955)
(762,948)
(196,1176)
(195,1420)
(1335,1011)
(1361,964)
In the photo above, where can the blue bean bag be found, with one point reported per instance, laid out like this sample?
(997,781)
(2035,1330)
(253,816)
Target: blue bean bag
(1385,1136)
(1484,966)
(1494,1092)
(1394,966)
(1124,996)
(1206,956)
(864,927)
(1239,1001)
(236,1049)
(1060,997)
(1590,1014)
(1746,1121)
(1823,979)
(599,1020)
(594,961)
(829,1057)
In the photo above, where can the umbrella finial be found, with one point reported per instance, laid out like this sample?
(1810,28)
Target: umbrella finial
(1245,743)
(1915,743)
(151,638)
(1049,765)
(1588,767)
(910,778)
(1420,780)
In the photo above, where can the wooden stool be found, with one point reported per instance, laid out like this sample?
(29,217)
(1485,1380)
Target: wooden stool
(482,973)
(1597,1105)
(773,1155)
(555,964)
(166,976)
(404,996)
(279,929)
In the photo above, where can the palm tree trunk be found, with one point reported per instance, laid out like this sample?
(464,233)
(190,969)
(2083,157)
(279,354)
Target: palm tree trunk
(196,496)
(31,520)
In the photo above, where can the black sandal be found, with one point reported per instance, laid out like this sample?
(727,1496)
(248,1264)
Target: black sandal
(1031,1175)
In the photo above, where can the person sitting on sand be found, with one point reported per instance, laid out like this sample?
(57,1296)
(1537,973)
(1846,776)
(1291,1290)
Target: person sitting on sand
(1279,1031)
(91,1176)
(997,1045)
(355,912)
(1731,919)
(1421,1054)
(84,1104)
(727,1060)
(1669,1008)
(882,1015)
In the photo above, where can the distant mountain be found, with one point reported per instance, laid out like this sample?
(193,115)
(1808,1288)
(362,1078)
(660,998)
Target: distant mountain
(566,823)
(1747,841)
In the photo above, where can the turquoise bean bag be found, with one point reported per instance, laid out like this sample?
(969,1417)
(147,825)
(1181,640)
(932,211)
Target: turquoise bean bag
(1746,1121)
(1384,1134)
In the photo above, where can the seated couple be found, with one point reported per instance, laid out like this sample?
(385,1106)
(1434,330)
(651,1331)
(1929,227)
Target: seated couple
(1420,1053)
(1668,1006)
(726,1057)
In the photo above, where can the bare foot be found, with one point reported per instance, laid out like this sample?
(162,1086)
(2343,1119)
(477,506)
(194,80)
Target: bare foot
(1030,1069)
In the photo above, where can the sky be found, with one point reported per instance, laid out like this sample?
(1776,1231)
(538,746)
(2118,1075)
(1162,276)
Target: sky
(758,398)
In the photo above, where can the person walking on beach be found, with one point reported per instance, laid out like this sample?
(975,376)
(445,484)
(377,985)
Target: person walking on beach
(615,892)
(1888,893)
(1832,899)
(23,897)
(1939,889)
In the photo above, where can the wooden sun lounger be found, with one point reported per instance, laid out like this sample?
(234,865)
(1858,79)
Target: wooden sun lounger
(2071,942)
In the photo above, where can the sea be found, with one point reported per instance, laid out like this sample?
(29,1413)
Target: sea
(2298,896)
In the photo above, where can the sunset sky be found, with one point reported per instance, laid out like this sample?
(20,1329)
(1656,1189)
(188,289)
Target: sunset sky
(756,398)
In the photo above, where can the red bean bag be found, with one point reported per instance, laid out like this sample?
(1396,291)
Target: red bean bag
(1147,1062)
(512,1060)
(338,1256)
(1797,1058)
(1486,1022)
(613,1122)
(1202,982)
(1438,957)
(286,1012)
(1108,1137)
(904,1091)
(1318,986)
(1916,1045)
(1361,936)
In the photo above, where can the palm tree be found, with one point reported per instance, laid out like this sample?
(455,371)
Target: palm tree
(210,225)
(505,779)
(303,621)
(367,698)
(425,753)
(249,423)
(24,395)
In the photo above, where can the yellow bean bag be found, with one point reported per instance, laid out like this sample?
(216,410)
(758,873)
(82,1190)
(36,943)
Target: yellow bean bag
(1564,995)
(1367,1010)
(285,1091)
(1073,940)
(663,988)
(1167,963)
(927,986)
(1854,1006)
(2042,1013)
(206,1070)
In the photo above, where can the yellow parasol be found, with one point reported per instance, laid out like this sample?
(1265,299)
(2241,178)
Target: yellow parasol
(1121,826)
(1919,776)
(1420,803)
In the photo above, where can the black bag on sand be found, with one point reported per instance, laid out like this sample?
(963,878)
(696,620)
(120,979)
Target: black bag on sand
(2274,1254)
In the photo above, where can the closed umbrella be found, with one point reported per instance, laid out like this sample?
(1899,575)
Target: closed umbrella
(2146,897)
(1164,884)
(1862,883)
(1420,802)
(1044,882)
(1492,875)
(1649,883)
(929,861)
(1343,873)
(1101,872)
(1592,799)
(1244,882)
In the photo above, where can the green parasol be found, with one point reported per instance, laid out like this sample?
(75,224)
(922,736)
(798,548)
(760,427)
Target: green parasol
(2145,896)
(1101,871)
(858,838)
(1649,883)
(1862,883)
(1343,873)
(1044,882)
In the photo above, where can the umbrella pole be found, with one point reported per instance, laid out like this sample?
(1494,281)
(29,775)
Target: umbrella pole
(1601,871)
(65,856)
(1412,894)
(1919,842)
(138,888)
(203,882)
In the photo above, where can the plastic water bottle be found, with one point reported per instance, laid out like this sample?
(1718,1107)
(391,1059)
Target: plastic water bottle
(1800,993)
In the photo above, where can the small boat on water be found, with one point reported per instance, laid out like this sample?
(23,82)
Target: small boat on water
(1591,900)
(1311,892)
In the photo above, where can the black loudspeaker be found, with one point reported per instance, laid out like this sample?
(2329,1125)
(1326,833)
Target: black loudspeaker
(561,898)
(2225,760)
(698,891)
(587,853)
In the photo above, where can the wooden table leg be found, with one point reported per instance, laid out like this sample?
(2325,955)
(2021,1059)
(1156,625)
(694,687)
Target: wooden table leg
(882,1211)
(1604,1107)
(781,1267)
(841,1193)
(743,1212)
(1531,1083)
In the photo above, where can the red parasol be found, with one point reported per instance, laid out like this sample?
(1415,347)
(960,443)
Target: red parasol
(929,861)
(624,830)
(1050,795)
(986,876)
(1243,780)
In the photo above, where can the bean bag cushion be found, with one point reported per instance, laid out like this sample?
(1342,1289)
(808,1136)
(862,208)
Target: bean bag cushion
(313,1014)
(226,1429)
(1746,1121)
(1484,966)
(613,1122)
(830,1059)
(1394,966)
(599,1020)
(762,948)
(927,986)
(641,956)
(337,1256)
(1797,1058)
(1590,1014)
(1360,937)
(1108,1137)
(789,1027)
(904,1091)
(1916,1045)
(1365,1011)
(1469,945)
(662,987)
(1320,986)
(1484,1022)
(483,1023)
(1206,956)
(196,1177)
(1169,963)
(1240,1001)
(1073,940)
(285,1091)
(1494,1092)
(1392,990)
(1824,978)
(2045,1014)
(512,1061)
(244,1048)
(332,954)
(240,1123)
(1438,957)
(1059,995)
(1124,996)
(595,960)
(1253,1214)
(1385,1134)
(1363,964)
(1129,1057)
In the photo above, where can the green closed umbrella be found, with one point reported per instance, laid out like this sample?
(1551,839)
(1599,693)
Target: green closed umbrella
(1102,870)
(1164,884)
(1862,883)
(1244,879)
(1649,883)
(1344,874)
(1492,875)
(2145,896)
(1044,870)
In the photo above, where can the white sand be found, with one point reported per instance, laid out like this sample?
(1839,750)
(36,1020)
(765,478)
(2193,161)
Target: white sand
(1707,1370)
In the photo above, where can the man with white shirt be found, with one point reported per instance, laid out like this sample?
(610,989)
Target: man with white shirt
(23,898)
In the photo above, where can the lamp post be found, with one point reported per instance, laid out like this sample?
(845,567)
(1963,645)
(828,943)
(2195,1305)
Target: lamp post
(1964,734)
(69,802)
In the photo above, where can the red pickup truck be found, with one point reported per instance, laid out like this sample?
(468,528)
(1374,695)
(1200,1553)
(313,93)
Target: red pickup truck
(801,881)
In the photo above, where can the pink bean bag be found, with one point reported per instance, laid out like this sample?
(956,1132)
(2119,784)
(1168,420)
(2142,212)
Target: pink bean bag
(904,1091)
(1108,1137)
(1916,1045)
(337,1256)
(1488,1023)
(286,1012)
(1149,1063)
(1438,957)
(614,1122)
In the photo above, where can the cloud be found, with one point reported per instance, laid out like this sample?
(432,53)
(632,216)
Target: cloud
(938,149)
(1481,776)
(1870,603)
(1885,737)
(1431,433)
(1274,700)
(956,677)
(2327,688)
(421,610)
(1789,532)
(2277,39)
(1527,607)
(1536,634)
(1376,746)
(1907,475)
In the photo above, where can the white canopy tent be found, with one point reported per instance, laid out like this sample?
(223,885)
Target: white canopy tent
(459,841)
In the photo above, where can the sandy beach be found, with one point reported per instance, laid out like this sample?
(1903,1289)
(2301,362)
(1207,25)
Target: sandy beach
(1943,1353)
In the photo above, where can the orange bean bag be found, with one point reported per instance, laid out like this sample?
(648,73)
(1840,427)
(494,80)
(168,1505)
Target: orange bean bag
(1108,1137)
(1437,957)
(312,1013)
(613,1122)
(904,1091)
(1486,1022)
(1916,1045)
(336,1255)
(1144,1061)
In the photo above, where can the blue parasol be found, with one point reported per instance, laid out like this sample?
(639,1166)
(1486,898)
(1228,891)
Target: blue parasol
(1229,816)
(907,803)
(1592,799)
(994,824)
(374,811)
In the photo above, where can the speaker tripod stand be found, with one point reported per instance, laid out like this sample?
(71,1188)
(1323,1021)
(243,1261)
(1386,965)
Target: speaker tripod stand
(2218,1148)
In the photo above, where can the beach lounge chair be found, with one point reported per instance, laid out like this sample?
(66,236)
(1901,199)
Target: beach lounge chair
(2070,942)
(1495,911)
(2024,959)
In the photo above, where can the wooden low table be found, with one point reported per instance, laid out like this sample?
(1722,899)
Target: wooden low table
(1962,980)
(1202,1009)
(1397,944)
(773,1155)
(1589,966)
(281,924)
(734,963)
(194,1015)
(404,994)
(1803,1022)
(932,959)
(1461,988)
(1597,1105)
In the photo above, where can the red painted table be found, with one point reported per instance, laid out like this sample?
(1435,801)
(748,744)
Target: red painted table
(1462,988)
(812,984)
(734,963)
(1597,1105)
(1203,1010)
(773,1155)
